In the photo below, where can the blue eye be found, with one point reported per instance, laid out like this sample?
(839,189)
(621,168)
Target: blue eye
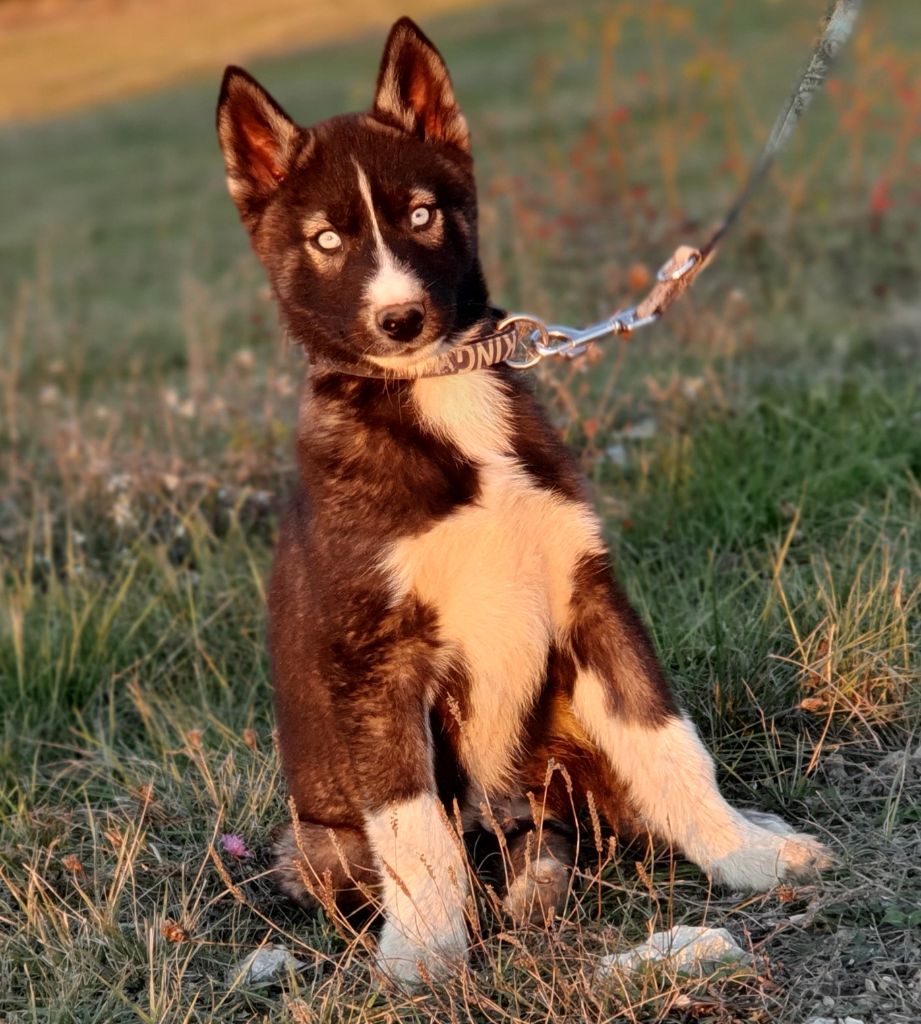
(420,217)
(328,240)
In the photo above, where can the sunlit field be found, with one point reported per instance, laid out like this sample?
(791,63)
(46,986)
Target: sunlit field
(756,456)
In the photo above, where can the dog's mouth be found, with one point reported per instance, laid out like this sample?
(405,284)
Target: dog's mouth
(436,338)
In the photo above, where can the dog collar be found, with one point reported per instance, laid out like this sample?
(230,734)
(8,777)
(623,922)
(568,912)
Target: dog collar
(498,344)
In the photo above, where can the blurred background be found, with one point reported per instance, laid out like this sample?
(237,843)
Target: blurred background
(756,456)
(138,337)
(604,134)
(59,55)
(148,394)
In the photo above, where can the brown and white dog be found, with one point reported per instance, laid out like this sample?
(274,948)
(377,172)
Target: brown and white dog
(443,617)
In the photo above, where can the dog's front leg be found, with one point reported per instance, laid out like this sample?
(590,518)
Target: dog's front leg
(624,703)
(418,854)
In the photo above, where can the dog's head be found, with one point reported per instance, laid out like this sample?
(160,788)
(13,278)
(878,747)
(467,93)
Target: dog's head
(365,223)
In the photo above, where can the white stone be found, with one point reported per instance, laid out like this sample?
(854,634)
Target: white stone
(263,965)
(685,948)
(617,455)
(639,431)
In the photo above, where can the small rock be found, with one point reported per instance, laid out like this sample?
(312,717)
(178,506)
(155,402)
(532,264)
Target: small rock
(263,965)
(639,431)
(690,950)
(49,395)
(617,455)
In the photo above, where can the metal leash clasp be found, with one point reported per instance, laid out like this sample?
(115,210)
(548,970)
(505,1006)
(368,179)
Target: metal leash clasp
(531,336)
(537,341)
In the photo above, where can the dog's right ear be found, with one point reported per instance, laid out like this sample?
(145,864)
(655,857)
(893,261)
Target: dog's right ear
(258,140)
(414,89)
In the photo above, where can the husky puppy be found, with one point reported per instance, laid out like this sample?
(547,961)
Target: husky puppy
(443,617)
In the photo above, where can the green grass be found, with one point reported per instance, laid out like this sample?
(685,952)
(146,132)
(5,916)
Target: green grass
(757,459)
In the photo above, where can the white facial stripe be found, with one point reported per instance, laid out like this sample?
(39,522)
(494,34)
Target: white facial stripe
(393,283)
(365,189)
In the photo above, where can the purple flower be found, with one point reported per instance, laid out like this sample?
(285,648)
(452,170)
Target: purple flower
(235,846)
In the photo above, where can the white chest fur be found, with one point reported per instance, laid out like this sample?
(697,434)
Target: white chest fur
(497,572)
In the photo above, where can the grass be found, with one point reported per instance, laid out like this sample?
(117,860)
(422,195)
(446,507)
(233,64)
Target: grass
(757,459)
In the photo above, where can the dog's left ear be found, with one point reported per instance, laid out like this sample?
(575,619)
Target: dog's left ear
(258,140)
(414,89)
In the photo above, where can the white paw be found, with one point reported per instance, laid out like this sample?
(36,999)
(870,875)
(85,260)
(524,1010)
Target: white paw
(537,892)
(409,956)
(770,852)
(424,890)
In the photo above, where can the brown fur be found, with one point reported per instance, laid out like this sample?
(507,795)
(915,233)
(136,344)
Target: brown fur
(445,631)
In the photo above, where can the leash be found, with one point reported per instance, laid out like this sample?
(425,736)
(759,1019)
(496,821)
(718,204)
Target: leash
(522,340)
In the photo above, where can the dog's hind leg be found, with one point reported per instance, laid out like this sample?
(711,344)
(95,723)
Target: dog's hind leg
(622,700)
(319,866)
(525,852)
(541,863)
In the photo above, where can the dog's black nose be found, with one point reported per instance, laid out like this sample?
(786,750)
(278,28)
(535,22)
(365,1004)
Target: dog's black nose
(403,322)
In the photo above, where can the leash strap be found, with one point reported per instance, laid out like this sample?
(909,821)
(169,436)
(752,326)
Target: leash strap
(522,340)
(677,275)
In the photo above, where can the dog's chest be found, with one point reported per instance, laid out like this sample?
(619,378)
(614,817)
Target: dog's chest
(498,572)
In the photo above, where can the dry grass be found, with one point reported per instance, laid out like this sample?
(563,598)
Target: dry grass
(856,662)
(756,459)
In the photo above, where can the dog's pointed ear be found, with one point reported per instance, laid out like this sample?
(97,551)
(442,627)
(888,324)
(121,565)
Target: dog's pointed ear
(258,140)
(414,89)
